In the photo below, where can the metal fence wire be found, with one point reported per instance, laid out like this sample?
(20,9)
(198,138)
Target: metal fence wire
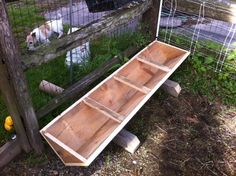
(213,40)
(32,19)
(205,36)
(26,15)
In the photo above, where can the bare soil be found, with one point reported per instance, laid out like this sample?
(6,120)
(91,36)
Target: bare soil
(186,136)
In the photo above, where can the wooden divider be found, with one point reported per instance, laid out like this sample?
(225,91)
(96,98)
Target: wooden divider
(103,109)
(154,64)
(132,84)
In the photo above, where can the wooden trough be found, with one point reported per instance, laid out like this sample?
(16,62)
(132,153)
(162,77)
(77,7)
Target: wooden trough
(82,131)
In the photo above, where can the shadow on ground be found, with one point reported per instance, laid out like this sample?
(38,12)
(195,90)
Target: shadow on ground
(179,136)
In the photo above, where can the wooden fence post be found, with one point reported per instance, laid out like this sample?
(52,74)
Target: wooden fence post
(150,18)
(11,103)
(11,57)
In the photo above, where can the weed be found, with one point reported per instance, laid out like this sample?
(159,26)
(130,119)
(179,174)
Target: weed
(198,75)
(33,160)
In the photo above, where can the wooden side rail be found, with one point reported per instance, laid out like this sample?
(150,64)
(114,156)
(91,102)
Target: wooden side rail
(65,147)
(154,64)
(130,83)
(103,109)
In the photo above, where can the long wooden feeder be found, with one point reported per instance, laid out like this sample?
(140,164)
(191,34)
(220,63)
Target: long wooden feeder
(82,131)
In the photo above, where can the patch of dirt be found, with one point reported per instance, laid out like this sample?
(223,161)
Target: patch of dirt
(179,136)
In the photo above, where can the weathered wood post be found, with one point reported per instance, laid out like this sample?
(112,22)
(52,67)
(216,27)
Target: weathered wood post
(10,56)
(150,18)
(11,103)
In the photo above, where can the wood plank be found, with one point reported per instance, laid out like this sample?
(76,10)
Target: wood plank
(127,140)
(104,110)
(154,64)
(93,30)
(99,135)
(65,156)
(171,87)
(9,151)
(65,147)
(130,83)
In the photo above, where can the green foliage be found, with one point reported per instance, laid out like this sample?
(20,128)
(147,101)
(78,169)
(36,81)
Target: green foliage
(106,47)
(198,73)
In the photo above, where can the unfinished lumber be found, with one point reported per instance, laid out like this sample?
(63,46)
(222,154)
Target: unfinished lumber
(55,140)
(171,87)
(86,130)
(134,85)
(103,109)
(127,140)
(154,64)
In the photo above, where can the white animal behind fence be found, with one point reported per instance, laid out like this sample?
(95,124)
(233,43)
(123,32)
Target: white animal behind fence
(78,55)
(41,34)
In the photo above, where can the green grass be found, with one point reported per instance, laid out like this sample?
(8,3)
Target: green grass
(24,16)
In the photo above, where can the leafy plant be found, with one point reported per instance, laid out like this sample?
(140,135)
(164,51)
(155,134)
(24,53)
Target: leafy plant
(198,73)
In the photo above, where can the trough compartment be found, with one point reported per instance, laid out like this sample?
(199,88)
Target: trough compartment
(82,131)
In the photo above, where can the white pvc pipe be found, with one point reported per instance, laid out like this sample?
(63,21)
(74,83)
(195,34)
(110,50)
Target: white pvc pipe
(159,18)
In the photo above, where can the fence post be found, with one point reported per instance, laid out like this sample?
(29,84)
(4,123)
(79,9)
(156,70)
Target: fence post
(11,57)
(11,103)
(150,18)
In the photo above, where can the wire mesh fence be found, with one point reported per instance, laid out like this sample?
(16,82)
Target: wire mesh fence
(212,40)
(209,39)
(39,22)
(27,15)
